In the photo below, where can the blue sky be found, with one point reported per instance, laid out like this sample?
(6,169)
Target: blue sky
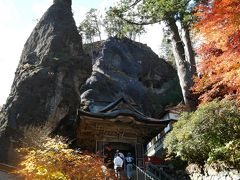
(17,20)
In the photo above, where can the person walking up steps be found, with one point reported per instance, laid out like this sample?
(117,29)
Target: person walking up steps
(118,153)
(129,163)
(118,164)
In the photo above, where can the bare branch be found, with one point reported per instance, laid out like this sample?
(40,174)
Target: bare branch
(135,3)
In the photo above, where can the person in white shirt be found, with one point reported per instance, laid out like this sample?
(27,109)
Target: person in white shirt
(120,154)
(118,163)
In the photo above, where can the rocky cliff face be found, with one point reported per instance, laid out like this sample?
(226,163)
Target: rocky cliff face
(51,79)
(124,68)
(50,73)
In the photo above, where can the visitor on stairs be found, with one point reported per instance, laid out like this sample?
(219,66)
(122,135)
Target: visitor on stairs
(118,164)
(129,164)
(118,153)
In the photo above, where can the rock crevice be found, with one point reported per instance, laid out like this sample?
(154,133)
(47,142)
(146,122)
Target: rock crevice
(124,68)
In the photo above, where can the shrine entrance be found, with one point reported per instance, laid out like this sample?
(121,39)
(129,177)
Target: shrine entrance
(108,149)
(118,126)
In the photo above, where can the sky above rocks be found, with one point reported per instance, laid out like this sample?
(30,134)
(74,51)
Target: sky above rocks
(17,20)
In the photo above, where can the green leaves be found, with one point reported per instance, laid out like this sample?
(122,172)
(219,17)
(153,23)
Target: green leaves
(156,10)
(90,26)
(207,133)
(230,154)
(116,26)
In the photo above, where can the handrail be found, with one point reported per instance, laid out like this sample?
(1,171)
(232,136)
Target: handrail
(152,176)
(158,169)
(7,168)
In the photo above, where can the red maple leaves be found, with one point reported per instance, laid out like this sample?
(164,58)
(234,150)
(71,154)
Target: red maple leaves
(219,67)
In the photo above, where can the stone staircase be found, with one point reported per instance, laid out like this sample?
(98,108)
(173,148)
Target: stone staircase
(138,175)
(152,172)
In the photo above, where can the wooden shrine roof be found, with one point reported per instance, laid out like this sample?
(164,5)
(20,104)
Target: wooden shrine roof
(122,108)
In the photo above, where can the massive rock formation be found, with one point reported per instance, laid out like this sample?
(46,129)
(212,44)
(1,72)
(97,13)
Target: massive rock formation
(50,73)
(124,68)
(51,82)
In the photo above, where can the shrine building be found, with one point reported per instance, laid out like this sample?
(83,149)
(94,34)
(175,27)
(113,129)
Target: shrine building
(120,125)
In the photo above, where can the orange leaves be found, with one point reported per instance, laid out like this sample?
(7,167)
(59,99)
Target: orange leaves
(233,41)
(219,67)
(53,160)
(210,50)
(219,77)
(218,20)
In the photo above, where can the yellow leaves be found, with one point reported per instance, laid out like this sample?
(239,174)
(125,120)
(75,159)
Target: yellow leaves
(55,143)
(41,171)
(58,176)
(53,160)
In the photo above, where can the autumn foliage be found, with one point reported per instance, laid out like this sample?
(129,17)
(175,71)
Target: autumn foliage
(54,160)
(219,67)
(44,157)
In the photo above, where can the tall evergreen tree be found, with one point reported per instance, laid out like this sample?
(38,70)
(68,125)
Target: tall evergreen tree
(115,26)
(170,12)
(166,51)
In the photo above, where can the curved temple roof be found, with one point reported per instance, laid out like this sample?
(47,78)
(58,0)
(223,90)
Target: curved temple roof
(121,107)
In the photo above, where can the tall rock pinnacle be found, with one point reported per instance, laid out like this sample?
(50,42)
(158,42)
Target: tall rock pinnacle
(55,34)
(50,73)
(69,2)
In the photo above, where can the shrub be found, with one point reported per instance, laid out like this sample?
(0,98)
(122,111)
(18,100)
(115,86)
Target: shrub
(52,159)
(230,154)
(205,134)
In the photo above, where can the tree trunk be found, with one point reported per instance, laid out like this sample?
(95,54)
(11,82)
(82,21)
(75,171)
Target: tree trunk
(99,34)
(189,53)
(183,66)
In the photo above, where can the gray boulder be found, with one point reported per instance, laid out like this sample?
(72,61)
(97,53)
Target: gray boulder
(124,68)
(47,81)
